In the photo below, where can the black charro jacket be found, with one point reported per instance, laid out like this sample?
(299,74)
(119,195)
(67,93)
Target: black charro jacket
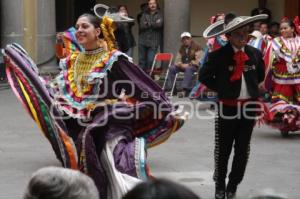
(216,72)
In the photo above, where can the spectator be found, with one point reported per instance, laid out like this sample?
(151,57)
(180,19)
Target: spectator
(267,39)
(124,34)
(262,10)
(151,26)
(143,8)
(256,26)
(274,29)
(60,183)
(187,61)
(260,39)
(264,28)
(160,189)
(255,40)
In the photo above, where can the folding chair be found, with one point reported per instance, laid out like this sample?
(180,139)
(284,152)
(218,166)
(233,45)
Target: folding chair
(160,57)
(175,79)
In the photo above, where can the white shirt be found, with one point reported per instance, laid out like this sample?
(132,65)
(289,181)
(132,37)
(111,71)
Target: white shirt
(244,94)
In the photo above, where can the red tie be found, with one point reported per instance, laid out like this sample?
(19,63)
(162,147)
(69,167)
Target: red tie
(240,57)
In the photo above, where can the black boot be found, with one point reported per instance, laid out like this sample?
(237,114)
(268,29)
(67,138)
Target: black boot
(231,190)
(220,190)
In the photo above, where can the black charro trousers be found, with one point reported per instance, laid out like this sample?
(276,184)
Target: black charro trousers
(233,129)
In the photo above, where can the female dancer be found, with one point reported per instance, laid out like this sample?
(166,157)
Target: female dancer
(101,102)
(286,78)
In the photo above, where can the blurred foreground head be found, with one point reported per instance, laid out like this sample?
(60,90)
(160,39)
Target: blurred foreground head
(160,189)
(60,183)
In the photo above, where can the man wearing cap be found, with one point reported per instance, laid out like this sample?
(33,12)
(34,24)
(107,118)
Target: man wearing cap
(187,61)
(234,72)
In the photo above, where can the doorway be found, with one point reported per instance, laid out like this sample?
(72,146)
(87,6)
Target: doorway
(292,8)
(67,11)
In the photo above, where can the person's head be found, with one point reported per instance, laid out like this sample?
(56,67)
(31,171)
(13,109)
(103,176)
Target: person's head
(274,28)
(287,28)
(262,3)
(256,25)
(123,10)
(186,39)
(88,31)
(238,37)
(160,189)
(264,28)
(152,5)
(60,183)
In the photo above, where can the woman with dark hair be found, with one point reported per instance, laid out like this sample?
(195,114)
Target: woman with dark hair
(286,78)
(102,112)
(124,36)
(160,189)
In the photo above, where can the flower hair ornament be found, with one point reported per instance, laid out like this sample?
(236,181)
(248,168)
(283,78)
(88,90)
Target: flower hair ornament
(297,24)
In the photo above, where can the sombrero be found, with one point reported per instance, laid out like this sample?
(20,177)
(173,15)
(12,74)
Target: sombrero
(231,23)
(102,10)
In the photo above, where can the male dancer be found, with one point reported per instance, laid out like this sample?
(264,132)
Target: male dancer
(234,72)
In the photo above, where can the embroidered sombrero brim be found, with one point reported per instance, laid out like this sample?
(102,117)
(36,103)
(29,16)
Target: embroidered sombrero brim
(102,10)
(220,28)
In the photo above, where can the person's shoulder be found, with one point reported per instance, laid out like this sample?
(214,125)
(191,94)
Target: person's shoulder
(216,54)
(253,50)
(158,12)
(197,46)
(144,13)
(224,49)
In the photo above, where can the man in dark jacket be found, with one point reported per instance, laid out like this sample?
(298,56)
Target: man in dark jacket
(150,33)
(234,72)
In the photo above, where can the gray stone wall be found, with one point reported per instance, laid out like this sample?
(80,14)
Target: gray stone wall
(177,20)
(12,29)
(46,30)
